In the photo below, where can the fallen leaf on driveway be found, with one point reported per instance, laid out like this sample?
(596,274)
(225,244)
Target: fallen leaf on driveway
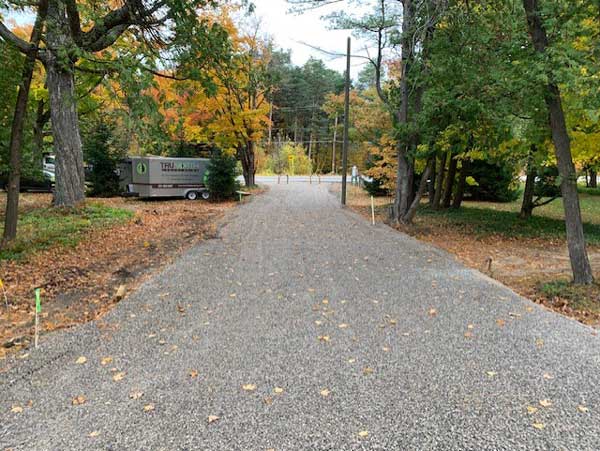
(363,434)
(548,376)
(325,393)
(432,312)
(78,400)
(94,434)
(539,426)
(136,394)
(193,374)
(81,360)
(539,343)
(212,419)
(531,409)
(343,326)
(106,360)
(545,403)
(16,409)
(491,373)
(278,390)
(367,370)
(148,407)
(500,322)
(249,387)
(324,338)
(118,377)
(583,409)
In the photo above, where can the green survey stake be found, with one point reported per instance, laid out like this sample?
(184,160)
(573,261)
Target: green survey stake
(38,301)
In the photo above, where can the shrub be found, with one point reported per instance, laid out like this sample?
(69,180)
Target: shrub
(495,182)
(221,176)
(547,182)
(103,160)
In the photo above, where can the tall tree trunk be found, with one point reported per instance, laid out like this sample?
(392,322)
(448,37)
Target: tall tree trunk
(409,216)
(401,200)
(70,178)
(449,182)
(527,206)
(580,264)
(439,182)
(247,156)
(16,137)
(593,178)
(41,118)
(462,184)
(432,176)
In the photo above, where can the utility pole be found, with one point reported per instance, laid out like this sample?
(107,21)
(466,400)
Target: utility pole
(346,127)
(334,144)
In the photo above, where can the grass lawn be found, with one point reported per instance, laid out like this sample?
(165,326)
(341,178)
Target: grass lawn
(488,218)
(41,228)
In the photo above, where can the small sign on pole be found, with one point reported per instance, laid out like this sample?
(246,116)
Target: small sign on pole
(38,311)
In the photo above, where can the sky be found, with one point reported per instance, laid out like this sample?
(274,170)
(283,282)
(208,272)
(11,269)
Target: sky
(292,31)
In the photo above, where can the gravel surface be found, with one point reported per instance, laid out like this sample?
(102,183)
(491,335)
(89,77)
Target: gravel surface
(374,341)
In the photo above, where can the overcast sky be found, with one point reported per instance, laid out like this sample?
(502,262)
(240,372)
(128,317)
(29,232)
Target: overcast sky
(293,31)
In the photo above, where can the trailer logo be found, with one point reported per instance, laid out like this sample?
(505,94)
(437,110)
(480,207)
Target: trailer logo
(141,168)
(185,166)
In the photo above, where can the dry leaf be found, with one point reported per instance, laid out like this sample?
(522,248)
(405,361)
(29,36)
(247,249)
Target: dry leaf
(278,390)
(318,323)
(325,393)
(531,409)
(106,360)
(491,373)
(548,376)
(94,434)
(432,312)
(78,400)
(148,407)
(193,374)
(468,334)
(16,409)
(118,377)
(343,326)
(583,409)
(363,434)
(539,426)
(325,338)
(136,394)
(212,419)
(500,322)
(539,343)
(545,403)
(367,370)
(81,360)
(249,387)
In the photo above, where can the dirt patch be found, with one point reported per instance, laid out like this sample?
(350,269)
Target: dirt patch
(527,265)
(81,283)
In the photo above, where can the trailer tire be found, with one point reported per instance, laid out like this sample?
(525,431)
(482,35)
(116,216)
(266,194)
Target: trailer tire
(205,195)
(191,195)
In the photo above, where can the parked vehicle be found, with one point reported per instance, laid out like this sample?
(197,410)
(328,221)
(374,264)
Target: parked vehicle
(155,177)
(44,184)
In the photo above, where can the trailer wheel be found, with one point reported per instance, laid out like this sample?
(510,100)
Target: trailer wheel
(205,195)
(191,195)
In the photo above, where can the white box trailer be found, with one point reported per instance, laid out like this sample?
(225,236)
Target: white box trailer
(152,177)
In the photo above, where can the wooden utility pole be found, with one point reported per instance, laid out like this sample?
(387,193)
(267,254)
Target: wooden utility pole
(334,144)
(346,126)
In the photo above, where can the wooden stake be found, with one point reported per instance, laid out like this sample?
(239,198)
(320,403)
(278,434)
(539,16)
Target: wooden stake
(373,209)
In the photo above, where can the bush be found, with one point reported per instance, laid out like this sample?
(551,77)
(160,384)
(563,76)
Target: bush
(375,188)
(546,182)
(103,160)
(221,176)
(495,182)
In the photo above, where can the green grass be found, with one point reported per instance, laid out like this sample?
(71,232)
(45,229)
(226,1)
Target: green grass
(582,298)
(589,191)
(47,227)
(487,218)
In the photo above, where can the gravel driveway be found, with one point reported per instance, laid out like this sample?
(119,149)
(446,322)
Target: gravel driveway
(305,328)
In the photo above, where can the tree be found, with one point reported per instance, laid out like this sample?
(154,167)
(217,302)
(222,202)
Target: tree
(67,42)
(580,264)
(16,134)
